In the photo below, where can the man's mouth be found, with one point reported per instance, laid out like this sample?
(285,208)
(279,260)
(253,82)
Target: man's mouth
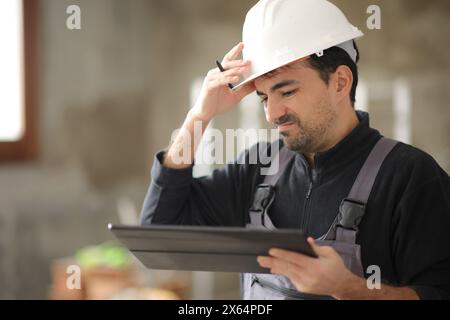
(285,126)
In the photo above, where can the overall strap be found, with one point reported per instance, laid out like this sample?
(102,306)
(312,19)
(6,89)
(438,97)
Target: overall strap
(352,209)
(363,185)
(265,193)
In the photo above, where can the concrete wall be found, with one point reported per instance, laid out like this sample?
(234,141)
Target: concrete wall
(112,93)
(409,46)
(94,116)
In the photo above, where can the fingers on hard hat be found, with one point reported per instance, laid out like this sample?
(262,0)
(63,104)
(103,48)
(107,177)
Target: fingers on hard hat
(236,71)
(233,53)
(213,72)
(235,64)
(224,81)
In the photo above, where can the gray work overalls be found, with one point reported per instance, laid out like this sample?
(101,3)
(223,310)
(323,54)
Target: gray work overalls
(341,235)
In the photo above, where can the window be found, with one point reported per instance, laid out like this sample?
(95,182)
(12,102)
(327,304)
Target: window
(18,83)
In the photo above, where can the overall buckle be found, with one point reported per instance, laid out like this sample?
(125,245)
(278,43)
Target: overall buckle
(351,213)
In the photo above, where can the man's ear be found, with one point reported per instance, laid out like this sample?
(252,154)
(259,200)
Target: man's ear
(343,82)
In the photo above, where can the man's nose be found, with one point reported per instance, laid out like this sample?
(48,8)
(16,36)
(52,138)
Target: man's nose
(273,110)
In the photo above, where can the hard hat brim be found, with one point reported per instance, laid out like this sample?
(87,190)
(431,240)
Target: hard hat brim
(256,76)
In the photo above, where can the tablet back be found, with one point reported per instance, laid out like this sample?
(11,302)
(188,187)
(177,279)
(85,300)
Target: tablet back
(206,248)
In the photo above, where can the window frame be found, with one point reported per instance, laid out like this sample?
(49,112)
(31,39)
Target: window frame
(27,147)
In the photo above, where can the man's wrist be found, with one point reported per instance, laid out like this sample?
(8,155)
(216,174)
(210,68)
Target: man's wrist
(194,116)
(355,288)
(349,287)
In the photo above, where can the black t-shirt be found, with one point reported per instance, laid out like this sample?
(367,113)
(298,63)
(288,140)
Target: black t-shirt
(405,230)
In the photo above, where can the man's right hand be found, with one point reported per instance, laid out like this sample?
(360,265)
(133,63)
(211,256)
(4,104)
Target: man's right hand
(215,96)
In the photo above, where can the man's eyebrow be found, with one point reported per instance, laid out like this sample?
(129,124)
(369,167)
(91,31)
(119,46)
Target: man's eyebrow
(278,86)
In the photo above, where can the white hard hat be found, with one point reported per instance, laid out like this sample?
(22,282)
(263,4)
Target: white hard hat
(279,32)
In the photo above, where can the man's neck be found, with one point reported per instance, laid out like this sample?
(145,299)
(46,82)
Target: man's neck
(349,123)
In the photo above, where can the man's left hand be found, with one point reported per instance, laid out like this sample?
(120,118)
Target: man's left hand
(325,275)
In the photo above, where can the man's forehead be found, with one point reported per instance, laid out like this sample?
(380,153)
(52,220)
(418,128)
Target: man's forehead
(279,78)
(292,70)
(278,71)
(296,65)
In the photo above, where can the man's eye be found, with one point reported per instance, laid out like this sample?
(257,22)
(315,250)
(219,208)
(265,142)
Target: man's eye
(289,93)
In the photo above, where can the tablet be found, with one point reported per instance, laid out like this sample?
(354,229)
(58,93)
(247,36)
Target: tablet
(215,249)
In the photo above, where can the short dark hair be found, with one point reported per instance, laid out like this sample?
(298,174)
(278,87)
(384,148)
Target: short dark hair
(333,58)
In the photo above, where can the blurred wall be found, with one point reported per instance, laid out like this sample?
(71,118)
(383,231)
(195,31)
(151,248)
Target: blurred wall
(94,118)
(409,46)
(112,93)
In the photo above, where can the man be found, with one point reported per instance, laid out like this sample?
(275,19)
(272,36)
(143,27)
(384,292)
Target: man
(301,60)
